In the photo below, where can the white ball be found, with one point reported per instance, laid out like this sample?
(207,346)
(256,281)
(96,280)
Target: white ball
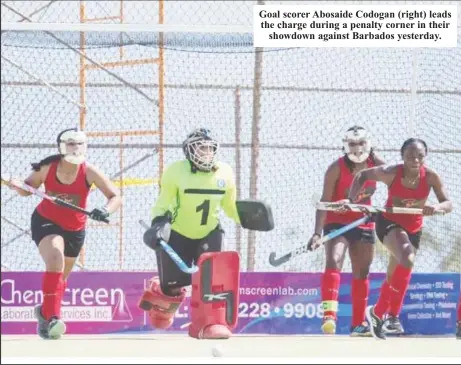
(217,351)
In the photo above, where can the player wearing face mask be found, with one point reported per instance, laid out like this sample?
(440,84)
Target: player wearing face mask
(359,242)
(59,232)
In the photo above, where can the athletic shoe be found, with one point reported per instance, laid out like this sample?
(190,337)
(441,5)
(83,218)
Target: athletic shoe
(52,329)
(329,325)
(362,330)
(56,328)
(42,327)
(393,326)
(376,323)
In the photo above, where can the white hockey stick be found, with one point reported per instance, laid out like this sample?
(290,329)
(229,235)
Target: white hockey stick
(333,206)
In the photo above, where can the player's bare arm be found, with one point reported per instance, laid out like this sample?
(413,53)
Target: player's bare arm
(436,183)
(329,181)
(110,191)
(383,173)
(35,179)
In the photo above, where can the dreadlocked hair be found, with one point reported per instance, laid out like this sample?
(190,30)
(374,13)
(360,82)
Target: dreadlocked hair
(36,166)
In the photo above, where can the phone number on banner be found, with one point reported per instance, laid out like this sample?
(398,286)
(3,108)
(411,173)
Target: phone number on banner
(287,310)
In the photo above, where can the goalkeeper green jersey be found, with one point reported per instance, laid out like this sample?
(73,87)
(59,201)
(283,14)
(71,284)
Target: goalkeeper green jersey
(195,198)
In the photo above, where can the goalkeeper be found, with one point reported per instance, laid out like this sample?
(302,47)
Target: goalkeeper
(186,216)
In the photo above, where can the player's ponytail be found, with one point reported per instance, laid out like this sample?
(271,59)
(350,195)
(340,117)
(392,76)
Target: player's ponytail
(372,157)
(349,164)
(36,166)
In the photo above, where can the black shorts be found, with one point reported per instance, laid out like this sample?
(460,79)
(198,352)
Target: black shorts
(189,250)
(384,226)
(41,227)
(354,235)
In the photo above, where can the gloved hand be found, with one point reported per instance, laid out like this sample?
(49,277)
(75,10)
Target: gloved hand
(100,215)
(160,230)
(314,242)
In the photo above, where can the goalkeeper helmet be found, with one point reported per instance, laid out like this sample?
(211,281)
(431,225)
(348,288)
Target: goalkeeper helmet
(357,144)
(200,148)
(72,145)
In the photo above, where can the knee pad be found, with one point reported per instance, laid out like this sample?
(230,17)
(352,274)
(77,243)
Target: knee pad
(161,307)
(215,294)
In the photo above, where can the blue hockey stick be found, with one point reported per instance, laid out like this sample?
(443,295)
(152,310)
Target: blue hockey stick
(303,249)
(174,256)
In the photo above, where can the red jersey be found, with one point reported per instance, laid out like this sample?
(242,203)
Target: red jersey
(342,190)
(401,196)
(75,193)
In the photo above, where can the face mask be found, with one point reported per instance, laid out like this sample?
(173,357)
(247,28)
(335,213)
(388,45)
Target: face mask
(72,145)
(202,154)
(357,145)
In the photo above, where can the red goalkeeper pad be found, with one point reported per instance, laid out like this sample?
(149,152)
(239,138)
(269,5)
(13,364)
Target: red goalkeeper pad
(215,291)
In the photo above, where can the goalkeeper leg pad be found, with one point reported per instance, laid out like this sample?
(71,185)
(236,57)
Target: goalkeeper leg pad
(161,307)
(215,295)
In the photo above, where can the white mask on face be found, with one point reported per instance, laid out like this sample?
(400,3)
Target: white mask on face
(357,144)
(202,153)
(72,145)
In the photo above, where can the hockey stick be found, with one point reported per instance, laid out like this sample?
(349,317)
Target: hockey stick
(172,253)
(304,249)
(117,174)
(41,194)
(333,206)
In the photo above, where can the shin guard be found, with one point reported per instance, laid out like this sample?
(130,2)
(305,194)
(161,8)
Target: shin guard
(215,295)
(359,296)
(331,280)
(161,307)
(53,290)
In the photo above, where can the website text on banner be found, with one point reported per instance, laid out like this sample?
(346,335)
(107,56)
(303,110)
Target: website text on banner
(270,303)
(344,25)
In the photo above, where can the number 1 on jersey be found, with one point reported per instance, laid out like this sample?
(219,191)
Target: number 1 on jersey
(205,207)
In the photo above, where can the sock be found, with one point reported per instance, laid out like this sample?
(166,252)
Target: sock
(63,289)
(52,288)
(459,309)
(396,302)
(330,291)
(399,282)
(398,285)
(382,305)
(359,292)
